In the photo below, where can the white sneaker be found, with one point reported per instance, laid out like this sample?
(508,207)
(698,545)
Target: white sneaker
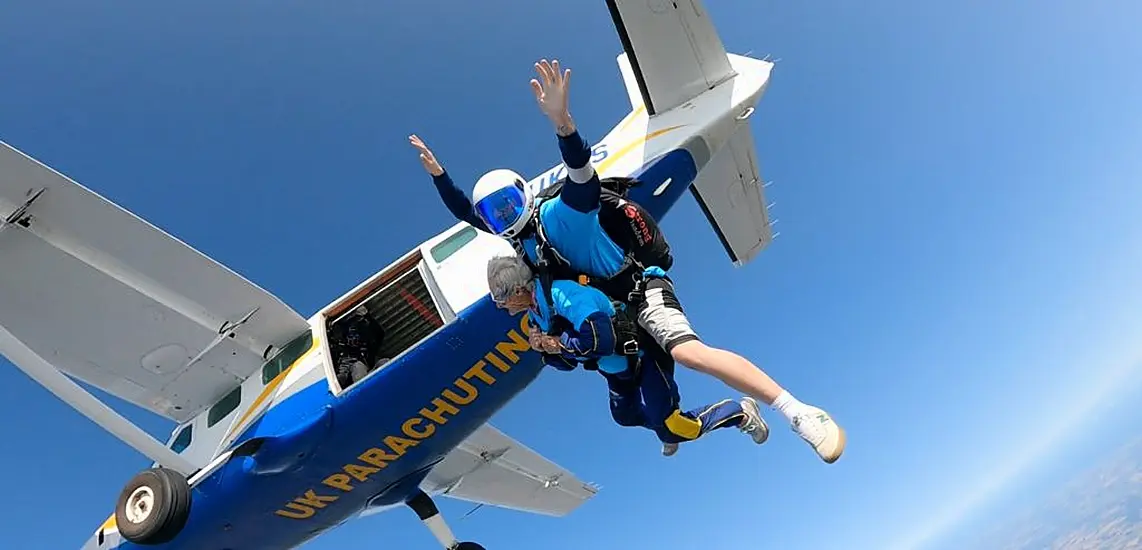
(817,428)
(753,424)
(668,449)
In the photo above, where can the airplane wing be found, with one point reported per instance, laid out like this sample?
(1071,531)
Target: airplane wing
(492,468)
(670,49)
(105,297)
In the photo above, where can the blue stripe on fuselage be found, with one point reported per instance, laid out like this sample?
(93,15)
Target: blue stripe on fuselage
(676,166)
(480,357)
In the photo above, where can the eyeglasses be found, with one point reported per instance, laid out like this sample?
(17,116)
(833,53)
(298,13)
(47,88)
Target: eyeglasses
(502,301)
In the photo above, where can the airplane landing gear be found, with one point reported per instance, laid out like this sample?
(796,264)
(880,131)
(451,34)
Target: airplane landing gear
(153,507)
(429,515)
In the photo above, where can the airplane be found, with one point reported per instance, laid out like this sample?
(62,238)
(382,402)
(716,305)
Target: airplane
(271,449)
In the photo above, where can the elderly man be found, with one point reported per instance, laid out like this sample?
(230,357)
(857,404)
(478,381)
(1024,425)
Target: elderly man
(584,327)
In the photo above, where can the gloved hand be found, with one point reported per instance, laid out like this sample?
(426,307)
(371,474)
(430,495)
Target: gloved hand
(654,272)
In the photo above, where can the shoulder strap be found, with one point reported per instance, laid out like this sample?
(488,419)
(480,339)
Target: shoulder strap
(551,190)
(545,281)
(620,185)
(545,255)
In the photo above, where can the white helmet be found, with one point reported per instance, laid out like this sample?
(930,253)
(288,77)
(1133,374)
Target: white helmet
(501,200)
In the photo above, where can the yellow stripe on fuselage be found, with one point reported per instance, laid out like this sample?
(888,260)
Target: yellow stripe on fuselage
(269,389)
(626,149)
(111,524)
(631,117)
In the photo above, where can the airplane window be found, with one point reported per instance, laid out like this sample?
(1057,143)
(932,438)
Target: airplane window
(224,406)
(290,353)
(182,441)
(449,246)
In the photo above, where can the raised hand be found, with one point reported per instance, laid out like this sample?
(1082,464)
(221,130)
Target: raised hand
(431,165)
(551,93)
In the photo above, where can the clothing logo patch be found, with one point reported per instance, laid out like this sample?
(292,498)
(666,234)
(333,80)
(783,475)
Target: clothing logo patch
(638,224)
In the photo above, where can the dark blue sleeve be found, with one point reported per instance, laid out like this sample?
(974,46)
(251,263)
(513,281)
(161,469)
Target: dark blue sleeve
(558,362)
(457,202)
(594,338)
(584,196)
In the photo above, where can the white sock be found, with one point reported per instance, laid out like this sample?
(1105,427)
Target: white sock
(787,405)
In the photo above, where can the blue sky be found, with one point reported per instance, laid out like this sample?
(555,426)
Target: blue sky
(957,188)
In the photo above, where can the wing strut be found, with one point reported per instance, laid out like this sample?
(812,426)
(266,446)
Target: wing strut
(95,410)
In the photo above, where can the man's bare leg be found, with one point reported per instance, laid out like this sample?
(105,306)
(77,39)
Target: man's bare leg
(731,368)
(814,425)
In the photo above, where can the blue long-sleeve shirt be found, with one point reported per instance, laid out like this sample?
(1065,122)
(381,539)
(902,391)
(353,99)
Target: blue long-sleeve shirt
(591,332)
(571,220)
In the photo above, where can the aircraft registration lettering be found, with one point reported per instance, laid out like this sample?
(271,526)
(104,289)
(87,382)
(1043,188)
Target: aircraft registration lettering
(599,153)
(463,392)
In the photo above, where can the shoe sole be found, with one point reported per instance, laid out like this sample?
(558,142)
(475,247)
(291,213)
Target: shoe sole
(751,404)
(841,441)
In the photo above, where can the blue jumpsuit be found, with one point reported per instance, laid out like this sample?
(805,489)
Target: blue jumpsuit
(645,397)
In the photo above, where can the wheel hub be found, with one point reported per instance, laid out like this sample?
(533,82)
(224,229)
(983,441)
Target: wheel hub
(140,504)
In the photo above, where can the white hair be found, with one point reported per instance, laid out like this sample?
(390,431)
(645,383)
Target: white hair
(508,274)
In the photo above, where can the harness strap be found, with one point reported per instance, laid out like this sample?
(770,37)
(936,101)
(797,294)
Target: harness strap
(626,331)
(548,259)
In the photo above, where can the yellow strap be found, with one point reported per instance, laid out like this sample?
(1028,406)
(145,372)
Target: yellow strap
(683,426)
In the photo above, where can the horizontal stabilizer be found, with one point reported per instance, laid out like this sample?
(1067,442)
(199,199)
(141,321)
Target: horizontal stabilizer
(492,468)
(112,300)
(729,192)
(671,51)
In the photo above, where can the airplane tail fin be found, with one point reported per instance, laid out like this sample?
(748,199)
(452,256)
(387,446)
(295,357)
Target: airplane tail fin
(672,54)
(730,192)
(728,188)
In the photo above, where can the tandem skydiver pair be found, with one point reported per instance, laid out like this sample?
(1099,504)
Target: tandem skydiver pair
(585,232)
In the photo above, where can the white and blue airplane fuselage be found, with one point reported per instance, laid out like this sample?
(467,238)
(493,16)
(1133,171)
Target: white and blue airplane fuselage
(284,453)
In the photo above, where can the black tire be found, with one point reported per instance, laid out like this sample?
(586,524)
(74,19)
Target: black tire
(469,546)
(160,502)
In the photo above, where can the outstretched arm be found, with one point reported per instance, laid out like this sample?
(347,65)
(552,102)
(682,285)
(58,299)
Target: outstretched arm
(551,94)
(457,202)
(454,198)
